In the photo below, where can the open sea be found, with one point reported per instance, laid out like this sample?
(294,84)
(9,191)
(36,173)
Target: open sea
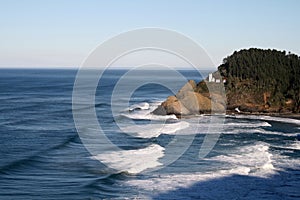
(43,157)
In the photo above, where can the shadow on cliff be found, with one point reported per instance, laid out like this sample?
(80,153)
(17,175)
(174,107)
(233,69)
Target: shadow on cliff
(283,185)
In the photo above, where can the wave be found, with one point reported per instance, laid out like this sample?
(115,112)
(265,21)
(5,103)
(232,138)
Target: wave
(201,125)
(28,158)
(252,160)
(257,158)
(256,131)
(143,111)
(140,106)
(248,124)
(35,157)
(132,161)
(295,146)
(149,116)
(267,118)
(154,130)
(171,182)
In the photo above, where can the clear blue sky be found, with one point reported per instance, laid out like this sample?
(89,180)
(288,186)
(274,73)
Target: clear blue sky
(61,33)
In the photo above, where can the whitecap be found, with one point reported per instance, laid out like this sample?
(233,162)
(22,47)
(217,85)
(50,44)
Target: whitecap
(154,130)
(255,157)
(167,182)
(248,125)
(140,106)
(148,116)
(132,161)
(290,146)
(143,111)
(268,118)
(295,145)
(252,160)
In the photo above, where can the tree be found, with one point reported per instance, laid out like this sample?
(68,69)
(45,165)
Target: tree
(268,70)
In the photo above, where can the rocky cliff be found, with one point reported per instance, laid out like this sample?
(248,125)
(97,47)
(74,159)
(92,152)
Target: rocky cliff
(253,80)
(190,101)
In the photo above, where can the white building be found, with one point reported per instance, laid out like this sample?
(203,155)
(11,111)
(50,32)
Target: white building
(217,79)
(210,77)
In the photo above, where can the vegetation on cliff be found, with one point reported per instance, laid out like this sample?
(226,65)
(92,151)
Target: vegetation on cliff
(255,81)
(265,80)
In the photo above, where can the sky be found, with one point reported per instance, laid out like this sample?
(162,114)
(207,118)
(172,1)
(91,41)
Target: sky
(62,33)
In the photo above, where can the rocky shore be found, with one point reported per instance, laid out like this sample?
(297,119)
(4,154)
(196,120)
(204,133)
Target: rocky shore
(211,98)
(250,81)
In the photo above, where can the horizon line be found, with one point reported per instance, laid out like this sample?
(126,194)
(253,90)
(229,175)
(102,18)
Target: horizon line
(94,68)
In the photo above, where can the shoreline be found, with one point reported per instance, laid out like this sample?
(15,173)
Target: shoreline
(283,115)
(295,116)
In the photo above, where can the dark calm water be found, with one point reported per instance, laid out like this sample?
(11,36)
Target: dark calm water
(42,156)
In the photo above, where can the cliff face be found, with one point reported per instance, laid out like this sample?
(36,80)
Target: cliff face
(246,98)
(262,80)
(255,80)
(190,101)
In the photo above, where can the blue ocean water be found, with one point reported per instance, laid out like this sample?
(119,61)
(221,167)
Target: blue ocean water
(43,157)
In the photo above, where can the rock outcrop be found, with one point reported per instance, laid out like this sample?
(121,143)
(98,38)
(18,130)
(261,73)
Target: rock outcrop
(249,81)
(188,101)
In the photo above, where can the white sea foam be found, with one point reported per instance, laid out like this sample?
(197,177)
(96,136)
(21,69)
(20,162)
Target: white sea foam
(154,130)
(281,119)
(256,158)
(133,161)
(252,160)
(142,111)
(167,182)
(142,115)
(295,145)
(230,130)
(191,126)
(172,182)
(248,124)
(203,125)
(141,106)
(268,118)
(262,131)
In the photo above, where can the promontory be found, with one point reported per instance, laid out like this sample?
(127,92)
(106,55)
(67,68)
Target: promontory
(248,81)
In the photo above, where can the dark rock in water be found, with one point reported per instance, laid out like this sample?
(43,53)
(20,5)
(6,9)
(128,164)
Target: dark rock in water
(160,110)
(298,137)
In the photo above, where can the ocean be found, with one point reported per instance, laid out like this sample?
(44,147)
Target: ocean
(42,156)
